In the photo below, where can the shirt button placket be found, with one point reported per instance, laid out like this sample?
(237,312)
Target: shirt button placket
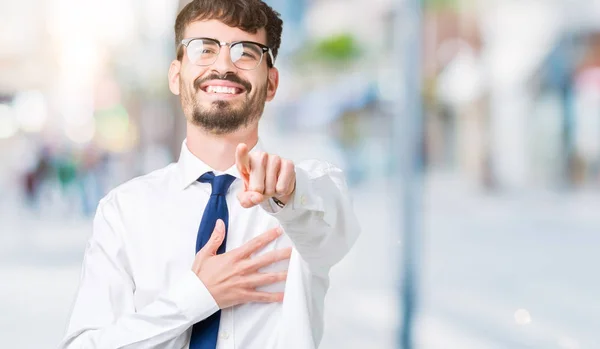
(226,330)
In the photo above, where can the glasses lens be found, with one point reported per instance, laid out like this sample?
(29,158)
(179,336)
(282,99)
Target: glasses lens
(246,56)
(202,52)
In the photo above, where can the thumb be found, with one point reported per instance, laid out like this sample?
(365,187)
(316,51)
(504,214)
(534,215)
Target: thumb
(250,198)
(216,239)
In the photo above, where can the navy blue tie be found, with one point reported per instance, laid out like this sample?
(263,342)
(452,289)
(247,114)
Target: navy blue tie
(204,333)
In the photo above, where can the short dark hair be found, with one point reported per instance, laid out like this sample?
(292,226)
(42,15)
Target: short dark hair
(248,15)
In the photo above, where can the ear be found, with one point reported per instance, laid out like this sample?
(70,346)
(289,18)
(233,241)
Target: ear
(272,83)
(174,71)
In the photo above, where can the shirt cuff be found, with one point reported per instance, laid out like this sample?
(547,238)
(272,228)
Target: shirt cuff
(301,201)
(193,298)
(270,206)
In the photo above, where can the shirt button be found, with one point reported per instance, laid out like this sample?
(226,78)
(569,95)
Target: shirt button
(303,200)
(224,334)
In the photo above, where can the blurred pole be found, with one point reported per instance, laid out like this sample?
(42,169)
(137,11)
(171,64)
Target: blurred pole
(567,66)
(408,148)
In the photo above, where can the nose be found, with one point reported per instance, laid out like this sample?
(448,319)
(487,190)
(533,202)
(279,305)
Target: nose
(223,64)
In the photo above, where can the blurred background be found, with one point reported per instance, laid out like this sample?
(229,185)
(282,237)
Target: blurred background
(507,169)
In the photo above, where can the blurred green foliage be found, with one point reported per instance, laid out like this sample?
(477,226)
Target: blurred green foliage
(340,47)
(336,49)
(440,4)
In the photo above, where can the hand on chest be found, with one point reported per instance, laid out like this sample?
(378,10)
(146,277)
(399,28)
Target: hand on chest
(161,251)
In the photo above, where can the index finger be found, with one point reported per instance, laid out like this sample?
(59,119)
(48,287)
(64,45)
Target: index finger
(258,242)
(242,160)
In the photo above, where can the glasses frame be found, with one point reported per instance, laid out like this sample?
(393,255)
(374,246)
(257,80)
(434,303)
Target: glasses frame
(264,48)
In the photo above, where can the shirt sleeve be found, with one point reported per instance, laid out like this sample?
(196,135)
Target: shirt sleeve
(104,314)
(319,219)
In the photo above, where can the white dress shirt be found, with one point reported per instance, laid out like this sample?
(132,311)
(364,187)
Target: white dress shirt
(137,289)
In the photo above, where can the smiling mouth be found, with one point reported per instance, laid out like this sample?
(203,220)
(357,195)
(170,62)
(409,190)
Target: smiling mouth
(224,90)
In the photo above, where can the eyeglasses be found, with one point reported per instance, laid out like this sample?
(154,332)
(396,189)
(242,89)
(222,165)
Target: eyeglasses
(245,55)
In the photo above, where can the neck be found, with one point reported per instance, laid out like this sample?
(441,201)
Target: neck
(218,151)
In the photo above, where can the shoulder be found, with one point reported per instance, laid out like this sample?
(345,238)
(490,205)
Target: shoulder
(143,189)
(320,175)
(318,168)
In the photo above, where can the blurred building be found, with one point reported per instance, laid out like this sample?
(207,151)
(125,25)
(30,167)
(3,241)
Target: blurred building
(491,73)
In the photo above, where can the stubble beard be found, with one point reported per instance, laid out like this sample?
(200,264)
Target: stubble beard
(222,117)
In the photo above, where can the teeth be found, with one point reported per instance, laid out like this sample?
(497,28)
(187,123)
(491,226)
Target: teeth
(221,89)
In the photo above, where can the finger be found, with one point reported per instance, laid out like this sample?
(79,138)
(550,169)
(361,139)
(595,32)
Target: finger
(216,239)
(242,161)
(287,179)
(258,242)
(258,165)
(263,297)
(270,258)
(250,199)
(263,279)
(271,175)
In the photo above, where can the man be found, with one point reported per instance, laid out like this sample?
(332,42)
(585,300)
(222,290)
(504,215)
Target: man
(231,246)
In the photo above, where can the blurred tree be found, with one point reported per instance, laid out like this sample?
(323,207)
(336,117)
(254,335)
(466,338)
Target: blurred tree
(441,4)
(342,47)
(333,51)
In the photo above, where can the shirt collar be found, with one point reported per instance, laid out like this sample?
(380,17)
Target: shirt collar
(191,168)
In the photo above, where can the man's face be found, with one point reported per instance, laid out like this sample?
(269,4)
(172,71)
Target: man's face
(206,91)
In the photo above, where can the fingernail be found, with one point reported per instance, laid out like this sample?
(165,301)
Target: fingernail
(279,231)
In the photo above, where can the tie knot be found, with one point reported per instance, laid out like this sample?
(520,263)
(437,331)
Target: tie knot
(220,184)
